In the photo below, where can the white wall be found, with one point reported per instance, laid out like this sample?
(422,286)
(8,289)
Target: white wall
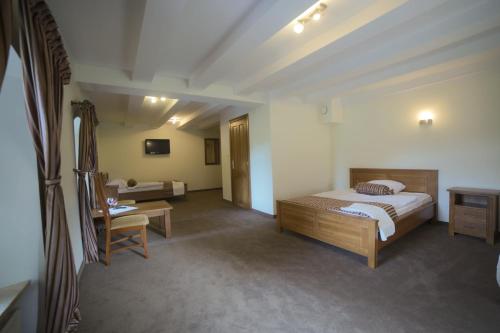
(121,153)
(21,228)
(302,149)
(463,143)
(72,92)
(290,152)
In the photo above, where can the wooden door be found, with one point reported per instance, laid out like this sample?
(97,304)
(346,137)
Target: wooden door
(240,161)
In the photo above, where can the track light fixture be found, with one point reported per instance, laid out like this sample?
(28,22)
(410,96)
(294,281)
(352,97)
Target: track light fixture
(314,16)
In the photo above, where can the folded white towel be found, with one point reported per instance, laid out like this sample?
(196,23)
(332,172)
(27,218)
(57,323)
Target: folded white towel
(386,225)
(178,188)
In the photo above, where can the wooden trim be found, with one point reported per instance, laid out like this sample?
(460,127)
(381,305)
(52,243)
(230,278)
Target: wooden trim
(9,296)
(263,213)
(206,189)
(243,117)
(425,181)
(217,152)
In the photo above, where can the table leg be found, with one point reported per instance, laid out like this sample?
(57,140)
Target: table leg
(166,224)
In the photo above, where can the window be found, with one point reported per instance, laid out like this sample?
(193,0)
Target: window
(212,151)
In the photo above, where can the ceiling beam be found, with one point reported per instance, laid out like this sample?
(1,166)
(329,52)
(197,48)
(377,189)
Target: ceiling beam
(116,81)
(264,21)
(170,110)
(133,109)
(412,39)
(159,23)
(210,122)
(373,20)
(214,111)
(475,46)
(191,119)
(429,76)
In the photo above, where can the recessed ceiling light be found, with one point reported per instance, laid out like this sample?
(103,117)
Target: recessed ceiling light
(298,27)
(316,16)
(174,120)
(153,99)
(163,99)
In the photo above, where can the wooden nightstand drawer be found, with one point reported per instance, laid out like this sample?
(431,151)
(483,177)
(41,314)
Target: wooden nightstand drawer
(470,221)
(474,212)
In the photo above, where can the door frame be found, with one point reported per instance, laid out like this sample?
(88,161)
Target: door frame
(245,116)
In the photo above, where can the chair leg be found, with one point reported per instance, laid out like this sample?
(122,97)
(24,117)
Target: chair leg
(144,237)
(107,259)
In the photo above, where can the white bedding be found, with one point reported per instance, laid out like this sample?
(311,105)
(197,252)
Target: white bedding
(177,188)
(403,202)
(142,186)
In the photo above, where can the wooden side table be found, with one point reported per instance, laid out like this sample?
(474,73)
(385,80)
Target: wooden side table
(151,209)
(474,212)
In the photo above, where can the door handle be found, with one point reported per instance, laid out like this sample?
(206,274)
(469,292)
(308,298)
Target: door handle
(232,164)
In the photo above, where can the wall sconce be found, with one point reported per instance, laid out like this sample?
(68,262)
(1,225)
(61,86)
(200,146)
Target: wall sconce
(425,118)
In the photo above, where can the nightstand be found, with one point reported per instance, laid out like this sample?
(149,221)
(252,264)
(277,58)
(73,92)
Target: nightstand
(474,212)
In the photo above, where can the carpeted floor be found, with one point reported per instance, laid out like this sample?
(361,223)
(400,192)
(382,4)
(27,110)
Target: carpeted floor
(228,270)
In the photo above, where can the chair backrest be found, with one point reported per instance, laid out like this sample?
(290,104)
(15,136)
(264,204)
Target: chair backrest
(101,199)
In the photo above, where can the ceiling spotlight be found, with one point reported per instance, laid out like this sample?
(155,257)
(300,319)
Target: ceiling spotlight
(298,27)
(316,16)
(173,120)
(153,99)
(163,99)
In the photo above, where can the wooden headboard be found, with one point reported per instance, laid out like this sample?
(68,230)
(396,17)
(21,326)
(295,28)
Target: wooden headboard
(425,181)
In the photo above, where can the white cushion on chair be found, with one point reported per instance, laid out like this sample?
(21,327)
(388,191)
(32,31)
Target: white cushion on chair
(129,221)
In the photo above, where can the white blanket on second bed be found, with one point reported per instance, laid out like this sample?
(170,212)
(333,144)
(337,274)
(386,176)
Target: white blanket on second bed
(178,188)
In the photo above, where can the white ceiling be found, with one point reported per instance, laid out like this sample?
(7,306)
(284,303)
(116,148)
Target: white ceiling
(213,54)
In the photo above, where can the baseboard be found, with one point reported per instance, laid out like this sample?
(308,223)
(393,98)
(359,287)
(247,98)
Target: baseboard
(264,214)
(206,189)
(255,210)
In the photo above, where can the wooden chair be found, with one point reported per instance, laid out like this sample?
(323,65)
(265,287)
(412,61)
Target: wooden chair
(119,225)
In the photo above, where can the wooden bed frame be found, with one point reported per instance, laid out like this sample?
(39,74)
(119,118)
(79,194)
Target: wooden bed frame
(149,195)
(359,234)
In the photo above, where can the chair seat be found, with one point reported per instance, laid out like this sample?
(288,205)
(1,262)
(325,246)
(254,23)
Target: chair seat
(129,221)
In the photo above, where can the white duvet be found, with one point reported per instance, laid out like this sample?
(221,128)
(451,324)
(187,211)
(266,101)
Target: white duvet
(402,202)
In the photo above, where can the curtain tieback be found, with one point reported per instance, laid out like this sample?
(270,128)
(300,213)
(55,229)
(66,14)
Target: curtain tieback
(83,172)
(52,182)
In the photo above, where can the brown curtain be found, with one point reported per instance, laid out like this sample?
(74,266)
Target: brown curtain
(87,165)
(45,71)
(5,35)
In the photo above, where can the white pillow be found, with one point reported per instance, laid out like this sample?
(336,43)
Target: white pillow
(122,183)
(395,186)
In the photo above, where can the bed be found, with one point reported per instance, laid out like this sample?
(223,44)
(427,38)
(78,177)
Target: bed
(147,191)
(361,234)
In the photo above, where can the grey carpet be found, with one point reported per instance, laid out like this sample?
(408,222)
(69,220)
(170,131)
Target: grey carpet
(228,270)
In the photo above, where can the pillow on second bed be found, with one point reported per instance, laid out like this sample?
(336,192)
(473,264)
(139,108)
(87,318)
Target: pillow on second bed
(395,186)
(373,189)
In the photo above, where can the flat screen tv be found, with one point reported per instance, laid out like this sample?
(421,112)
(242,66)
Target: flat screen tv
(157,146)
